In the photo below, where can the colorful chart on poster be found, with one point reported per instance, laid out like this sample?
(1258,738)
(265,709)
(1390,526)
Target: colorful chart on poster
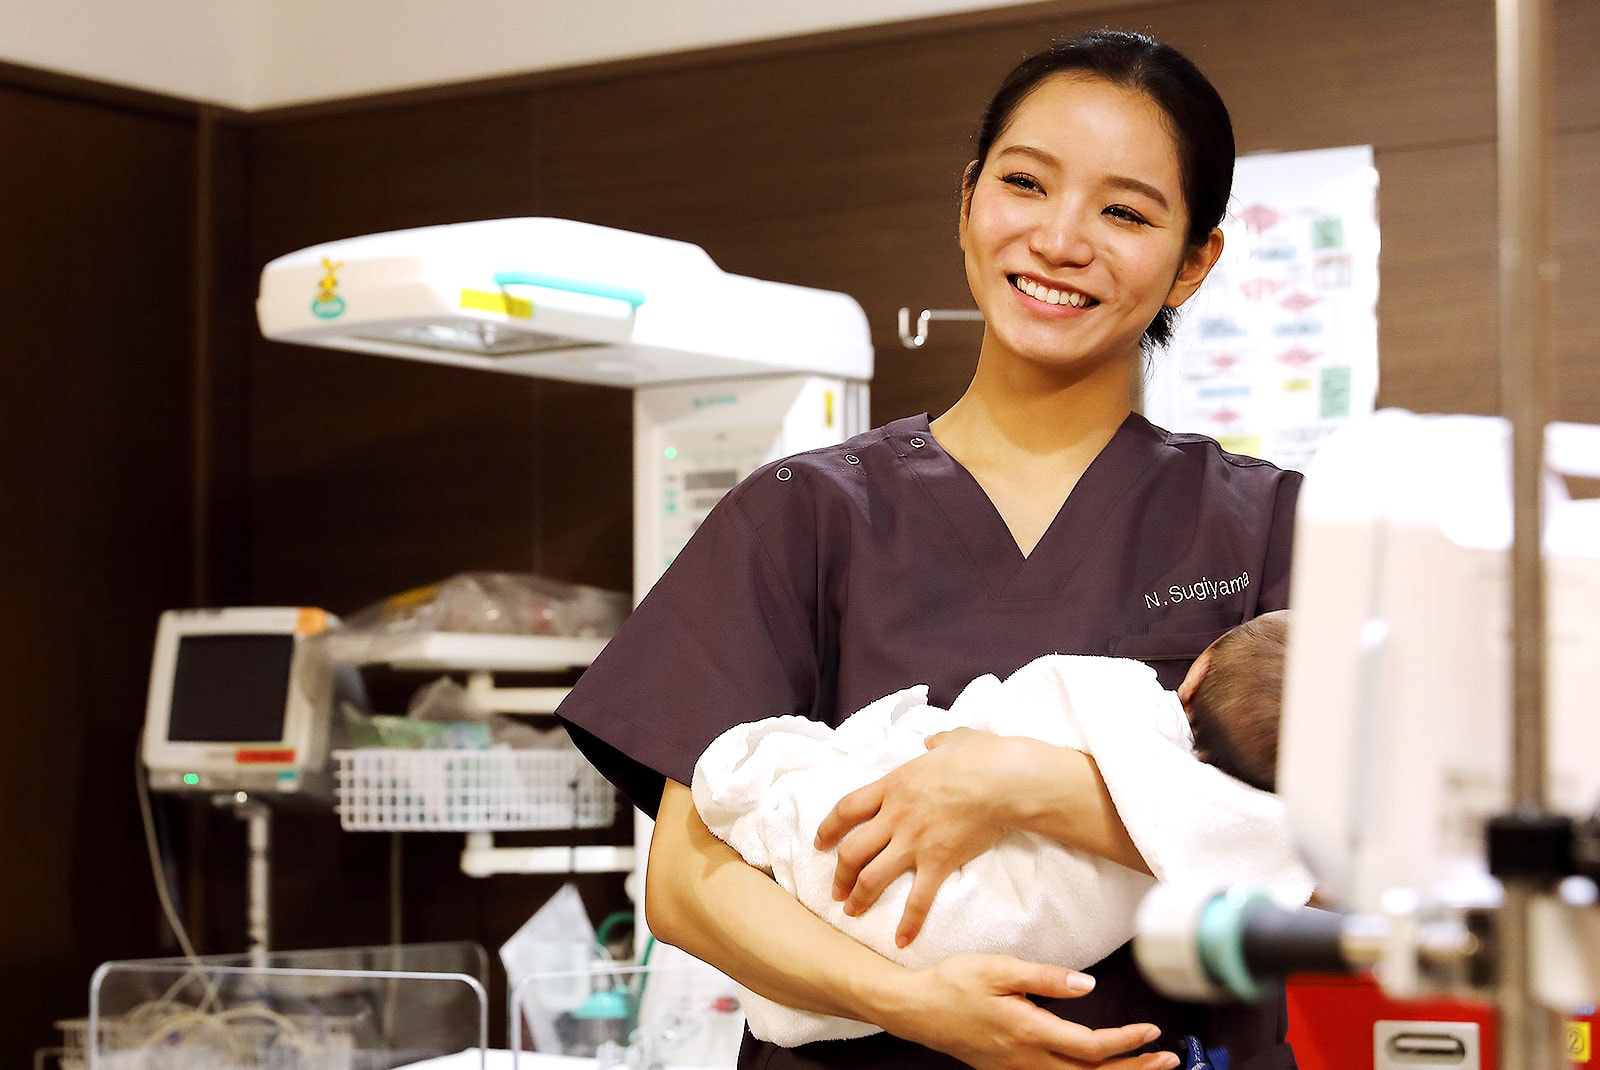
(1280,346)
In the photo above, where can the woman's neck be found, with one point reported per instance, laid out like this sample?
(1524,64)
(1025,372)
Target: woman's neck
(1027,415)
(1027,437)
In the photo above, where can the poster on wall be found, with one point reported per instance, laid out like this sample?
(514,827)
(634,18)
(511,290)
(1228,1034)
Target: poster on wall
(1280,346)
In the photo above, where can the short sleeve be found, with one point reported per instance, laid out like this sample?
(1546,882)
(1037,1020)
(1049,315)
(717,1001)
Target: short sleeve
(1280,544)
(724,637)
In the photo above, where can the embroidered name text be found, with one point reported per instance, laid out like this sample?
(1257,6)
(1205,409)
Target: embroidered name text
(1201,590)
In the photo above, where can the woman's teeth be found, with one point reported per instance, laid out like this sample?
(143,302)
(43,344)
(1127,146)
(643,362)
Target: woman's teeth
(1052,296)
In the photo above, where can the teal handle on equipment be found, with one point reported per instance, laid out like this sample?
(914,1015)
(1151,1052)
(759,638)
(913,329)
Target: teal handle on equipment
(1220,941)
(577,286)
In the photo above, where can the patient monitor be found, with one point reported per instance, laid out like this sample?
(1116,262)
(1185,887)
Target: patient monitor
(240,700)
(1397,724)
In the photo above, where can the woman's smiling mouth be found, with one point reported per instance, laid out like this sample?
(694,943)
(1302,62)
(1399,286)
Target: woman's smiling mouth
(1052,295)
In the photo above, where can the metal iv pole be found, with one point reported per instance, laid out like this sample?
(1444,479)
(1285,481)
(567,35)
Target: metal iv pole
(1529,1033)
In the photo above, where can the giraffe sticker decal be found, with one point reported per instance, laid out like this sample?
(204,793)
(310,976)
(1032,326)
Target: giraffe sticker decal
(328,304)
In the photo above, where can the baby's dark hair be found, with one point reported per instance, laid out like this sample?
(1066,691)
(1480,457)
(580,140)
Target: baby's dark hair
(1236,706)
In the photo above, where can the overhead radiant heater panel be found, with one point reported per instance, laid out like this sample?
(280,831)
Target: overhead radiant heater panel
(559,299)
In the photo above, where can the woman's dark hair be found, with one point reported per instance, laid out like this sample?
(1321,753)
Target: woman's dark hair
(1199,120)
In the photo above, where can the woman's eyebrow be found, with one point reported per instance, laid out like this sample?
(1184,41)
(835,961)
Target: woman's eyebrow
(1134,185)
(1032,153)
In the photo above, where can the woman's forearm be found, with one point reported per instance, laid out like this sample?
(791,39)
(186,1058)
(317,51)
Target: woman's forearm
(1060,795)
(703,897)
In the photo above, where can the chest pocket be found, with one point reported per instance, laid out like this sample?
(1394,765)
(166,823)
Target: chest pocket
(1169,653)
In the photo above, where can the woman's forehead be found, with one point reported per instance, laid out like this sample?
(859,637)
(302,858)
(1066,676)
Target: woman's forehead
(1068,95)
(1088,119)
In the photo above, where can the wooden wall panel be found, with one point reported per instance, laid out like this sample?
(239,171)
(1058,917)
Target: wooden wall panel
(1575,225)
(227,335)
(1436,291)
(342,173)
(96,205)
(1438,308)
(1310,75)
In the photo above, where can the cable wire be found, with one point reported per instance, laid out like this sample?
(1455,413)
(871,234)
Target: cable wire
(142,787)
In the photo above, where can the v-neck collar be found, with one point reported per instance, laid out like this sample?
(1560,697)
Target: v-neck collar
(975,523)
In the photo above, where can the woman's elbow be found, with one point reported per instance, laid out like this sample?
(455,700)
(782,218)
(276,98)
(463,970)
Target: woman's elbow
(663,905)
(670,900)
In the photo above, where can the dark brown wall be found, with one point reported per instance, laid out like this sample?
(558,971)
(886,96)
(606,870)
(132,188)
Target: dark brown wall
(336,479)
(97,306)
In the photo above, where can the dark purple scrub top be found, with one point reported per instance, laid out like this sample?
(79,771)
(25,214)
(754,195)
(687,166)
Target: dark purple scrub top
(836,577)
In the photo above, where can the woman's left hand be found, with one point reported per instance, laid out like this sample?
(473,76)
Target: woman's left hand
(930,816)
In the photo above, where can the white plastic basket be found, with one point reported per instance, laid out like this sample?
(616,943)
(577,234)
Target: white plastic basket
(470,790)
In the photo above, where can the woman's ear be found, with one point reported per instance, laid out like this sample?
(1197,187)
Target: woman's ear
(969,180)
(1197,264)
(1192,678)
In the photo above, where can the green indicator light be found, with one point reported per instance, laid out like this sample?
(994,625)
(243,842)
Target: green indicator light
(191,779)
(671,453)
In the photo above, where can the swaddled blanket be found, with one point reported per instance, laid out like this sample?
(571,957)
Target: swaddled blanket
(765,787)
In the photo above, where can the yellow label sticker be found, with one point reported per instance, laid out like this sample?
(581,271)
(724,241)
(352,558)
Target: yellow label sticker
(503,303)
(827,408)
(1577,1038)
(1249,445)
(1296,386)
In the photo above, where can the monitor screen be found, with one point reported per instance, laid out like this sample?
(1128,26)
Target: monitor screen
(230,688)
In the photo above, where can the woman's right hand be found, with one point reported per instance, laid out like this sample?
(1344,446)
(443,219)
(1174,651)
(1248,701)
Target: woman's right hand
(928,817)
(976,1008)
(940,810)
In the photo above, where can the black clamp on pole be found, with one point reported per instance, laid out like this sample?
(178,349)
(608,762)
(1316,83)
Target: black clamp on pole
(1532,846)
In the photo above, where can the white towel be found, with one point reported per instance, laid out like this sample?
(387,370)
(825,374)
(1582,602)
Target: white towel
(765,787)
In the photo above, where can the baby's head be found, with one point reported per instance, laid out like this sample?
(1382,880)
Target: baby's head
(1233,695)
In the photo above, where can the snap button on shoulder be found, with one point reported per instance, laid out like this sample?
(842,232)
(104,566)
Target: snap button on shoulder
(852,458)
(917,443)
(784,474)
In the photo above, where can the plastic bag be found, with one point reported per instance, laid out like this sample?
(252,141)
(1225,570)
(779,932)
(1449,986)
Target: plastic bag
(447,701)
(557,944)
(362,730)
(497,603)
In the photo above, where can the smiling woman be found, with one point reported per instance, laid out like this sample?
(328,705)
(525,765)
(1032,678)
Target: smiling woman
(1079,206)
(1036,515)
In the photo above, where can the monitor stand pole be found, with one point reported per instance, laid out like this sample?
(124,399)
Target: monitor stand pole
(257,817)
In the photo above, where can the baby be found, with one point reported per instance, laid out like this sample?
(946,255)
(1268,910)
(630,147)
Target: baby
(764,788)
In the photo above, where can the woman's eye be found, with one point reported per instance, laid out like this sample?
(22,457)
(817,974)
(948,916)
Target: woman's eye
(1126,214)
(1023,182)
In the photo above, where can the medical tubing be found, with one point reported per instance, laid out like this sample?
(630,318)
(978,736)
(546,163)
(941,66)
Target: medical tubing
(503,279)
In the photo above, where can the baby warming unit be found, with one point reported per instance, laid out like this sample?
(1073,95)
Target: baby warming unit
(728,373)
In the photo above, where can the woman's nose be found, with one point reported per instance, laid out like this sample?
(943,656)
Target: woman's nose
(1062,237)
